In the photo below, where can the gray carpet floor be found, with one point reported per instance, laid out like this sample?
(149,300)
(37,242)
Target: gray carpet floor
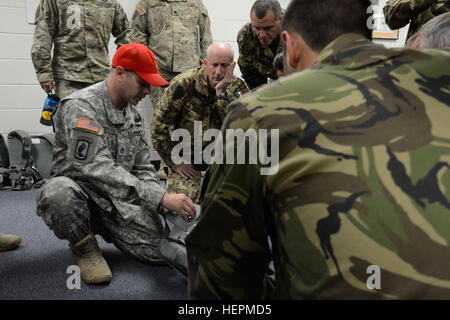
(37,269)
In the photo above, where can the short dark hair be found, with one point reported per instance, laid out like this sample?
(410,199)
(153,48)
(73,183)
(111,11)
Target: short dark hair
(262,8)
(278,62)
(321,21)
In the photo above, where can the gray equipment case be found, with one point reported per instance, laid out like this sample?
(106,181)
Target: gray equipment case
(173,246)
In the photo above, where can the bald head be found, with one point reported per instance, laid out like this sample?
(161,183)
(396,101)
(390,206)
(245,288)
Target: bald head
(219,58)
(221,49)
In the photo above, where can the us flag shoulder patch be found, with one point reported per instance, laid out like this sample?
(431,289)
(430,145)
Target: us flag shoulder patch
(87,124)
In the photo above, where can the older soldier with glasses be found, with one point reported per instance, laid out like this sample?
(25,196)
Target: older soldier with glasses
(201,94)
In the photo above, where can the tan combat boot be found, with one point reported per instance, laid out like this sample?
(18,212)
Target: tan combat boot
(9,241)
(94,268)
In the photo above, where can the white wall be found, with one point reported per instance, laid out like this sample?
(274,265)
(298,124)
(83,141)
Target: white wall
(21,97)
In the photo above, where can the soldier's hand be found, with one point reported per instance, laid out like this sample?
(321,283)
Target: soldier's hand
(181,203)
(48,86)
(186,171)
(227,79)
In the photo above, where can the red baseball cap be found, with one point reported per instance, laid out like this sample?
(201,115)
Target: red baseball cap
(140,59)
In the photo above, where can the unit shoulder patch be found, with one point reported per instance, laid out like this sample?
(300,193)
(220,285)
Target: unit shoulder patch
(83,146)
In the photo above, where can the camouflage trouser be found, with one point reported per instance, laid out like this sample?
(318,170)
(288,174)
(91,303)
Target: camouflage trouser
(177,184)
(71,214)
(156,92)
(64,87)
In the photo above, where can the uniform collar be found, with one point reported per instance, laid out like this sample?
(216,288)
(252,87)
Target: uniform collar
(350,51)
(115,116)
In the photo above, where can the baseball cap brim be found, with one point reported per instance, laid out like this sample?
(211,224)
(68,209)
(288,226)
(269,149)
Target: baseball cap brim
(153,79)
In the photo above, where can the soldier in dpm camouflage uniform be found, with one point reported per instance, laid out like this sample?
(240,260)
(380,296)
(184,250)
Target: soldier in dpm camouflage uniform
(360,204)
(79,32)
(259,43)
(201,94)
(398,13)
(177,31)
(102,180)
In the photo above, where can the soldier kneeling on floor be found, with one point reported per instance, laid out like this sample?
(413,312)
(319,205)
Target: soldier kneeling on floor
(102,180)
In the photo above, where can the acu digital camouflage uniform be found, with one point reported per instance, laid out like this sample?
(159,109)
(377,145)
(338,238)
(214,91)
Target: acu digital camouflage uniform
(398,13)
(102,179)
(177,31)
(79,32)
(363,180)
(256,61)
(189,98)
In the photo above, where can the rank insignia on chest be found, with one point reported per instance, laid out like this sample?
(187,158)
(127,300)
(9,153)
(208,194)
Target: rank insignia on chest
(88,125)
(140,9)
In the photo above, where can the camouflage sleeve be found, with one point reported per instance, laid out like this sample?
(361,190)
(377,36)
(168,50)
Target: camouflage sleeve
(437,8)
(38,12)
(98,166)
(46,24)
(228,234)
(205,32)
(398,13)
(165,117)
(139,25)
(142,169)
(251,76)
(121,30)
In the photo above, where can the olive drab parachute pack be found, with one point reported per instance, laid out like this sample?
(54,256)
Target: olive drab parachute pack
(173,247)
(24,160)
(42,152)
(4,162)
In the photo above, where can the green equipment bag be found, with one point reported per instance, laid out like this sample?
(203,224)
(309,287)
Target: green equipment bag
(173,247)
(22,173)
(4,162)
(42,152)
(4,153)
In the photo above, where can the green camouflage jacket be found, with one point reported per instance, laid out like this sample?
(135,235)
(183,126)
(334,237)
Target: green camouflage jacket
(106,152)
(359,204)
(79,32)
(189,98)
(398,13)
(255,61)
(177,31)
